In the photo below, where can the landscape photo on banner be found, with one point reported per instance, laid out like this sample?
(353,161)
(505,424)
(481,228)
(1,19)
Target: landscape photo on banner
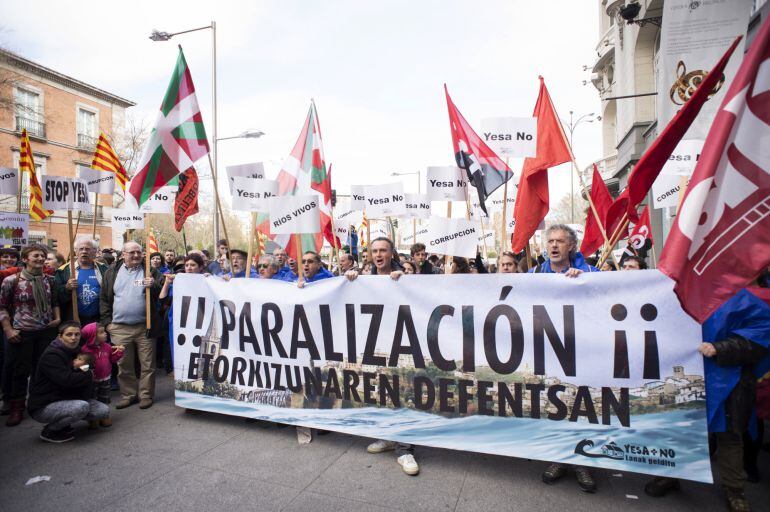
(596,371)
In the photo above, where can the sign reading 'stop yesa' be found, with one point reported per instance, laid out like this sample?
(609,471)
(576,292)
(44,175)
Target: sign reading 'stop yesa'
(64,193)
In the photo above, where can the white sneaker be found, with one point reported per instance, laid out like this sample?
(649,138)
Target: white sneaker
(381,446)
(408,464)
(304,435)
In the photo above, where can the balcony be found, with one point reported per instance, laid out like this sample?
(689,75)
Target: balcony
(34,128)
(607,167)
(86,142)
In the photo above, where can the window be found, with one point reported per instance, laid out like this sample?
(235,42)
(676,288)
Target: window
(29,112)
(40,162)
(87,127)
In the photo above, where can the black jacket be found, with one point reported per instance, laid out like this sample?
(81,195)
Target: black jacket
(738,351)
(107,296)
(55,379)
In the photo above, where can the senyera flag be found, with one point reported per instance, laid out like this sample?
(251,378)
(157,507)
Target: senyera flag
(105,159)
(27,164)
(304,173)
(602,199)
(649,166)
(178,139)
(720,240)
(484,168)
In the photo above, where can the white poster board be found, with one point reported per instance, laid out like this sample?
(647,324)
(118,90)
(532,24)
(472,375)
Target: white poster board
(60,193)
(384,200)
(454,237)
(666,191)
(124,219)
(357,201)
(254,170)
(445,183)
(510,136)
(251,195)
(14,228)
(99,182)
(9,181)
(683,159)
(294,214)
(418,206)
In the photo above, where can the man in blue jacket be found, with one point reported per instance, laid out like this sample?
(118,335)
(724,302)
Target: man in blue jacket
(563,256)
(312,268)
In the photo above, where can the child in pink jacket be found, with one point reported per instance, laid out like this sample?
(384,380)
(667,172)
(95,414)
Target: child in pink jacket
(95,342)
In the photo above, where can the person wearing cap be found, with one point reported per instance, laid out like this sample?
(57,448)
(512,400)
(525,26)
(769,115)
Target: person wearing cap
(238,258)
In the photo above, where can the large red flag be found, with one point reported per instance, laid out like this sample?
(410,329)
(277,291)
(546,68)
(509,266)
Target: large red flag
(532,196)
(602,199)
(640,238)
(720,240)
(649,166)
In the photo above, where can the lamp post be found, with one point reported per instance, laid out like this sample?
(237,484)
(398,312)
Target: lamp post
(573,124)
(158,35)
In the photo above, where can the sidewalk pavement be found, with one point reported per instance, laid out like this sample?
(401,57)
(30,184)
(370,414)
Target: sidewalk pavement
(167,459)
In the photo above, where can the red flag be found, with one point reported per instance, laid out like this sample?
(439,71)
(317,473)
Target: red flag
(483,167)
(640,238)
(593,239)
(648,167)
(186,200)
(720,240)
(532,196)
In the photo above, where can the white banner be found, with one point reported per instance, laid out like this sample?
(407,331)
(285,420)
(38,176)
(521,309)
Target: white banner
(665,191)
(601,370)
(579,230)
(61,193)
(384,200)
(357,197)
(683,159)
(251,195)
(454,237)
(418,206)
(409,238)
(694,36)
(341,230)
(351,217)
(14,228)
(294,214)
(125,219)
(99,182)
(447,183)
(510,136)
(160,201)
(9,181)
(254,171)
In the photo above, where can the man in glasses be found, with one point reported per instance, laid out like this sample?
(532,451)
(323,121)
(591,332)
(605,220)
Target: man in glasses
(239,265)
(312,268)
(87,282)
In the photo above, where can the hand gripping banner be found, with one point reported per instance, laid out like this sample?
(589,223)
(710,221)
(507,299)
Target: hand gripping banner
(601,370)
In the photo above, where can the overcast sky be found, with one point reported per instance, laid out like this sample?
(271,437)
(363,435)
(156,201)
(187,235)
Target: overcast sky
(375,70)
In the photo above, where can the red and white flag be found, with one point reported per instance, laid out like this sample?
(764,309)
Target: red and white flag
(720,240)
(640,238)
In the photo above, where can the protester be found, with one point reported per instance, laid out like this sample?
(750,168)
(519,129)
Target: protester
(460,266)
(420,257)
(61,394)
(563,256)
(506,263)
(87,284)
(608,266)
(292,264)
(105,355)
(53,261)
(29,313)
(312,269)
(634,263)
(409,267)
(156,262)
(383,264)
(9,257)
(268,267)
(239,265)
(347,262)
(221,263)
(736,347)
(169,260)
(123,314)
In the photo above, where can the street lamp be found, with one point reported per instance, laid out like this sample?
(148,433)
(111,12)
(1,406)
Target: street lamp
(158,35)
(573,124)
(247,134)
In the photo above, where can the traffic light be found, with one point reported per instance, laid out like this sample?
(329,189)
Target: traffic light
(334,198)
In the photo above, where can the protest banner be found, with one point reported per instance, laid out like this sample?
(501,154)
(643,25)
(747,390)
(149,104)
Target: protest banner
(510,137)
(250,194)
(123,220)
(14,228)
(68,194)
(446,183)
(255,171)
(160,201)
(595,371)
(452,237)
(9,181)
(99,182)
(351,217)
(416,236)
(418,206)
(357,201)
(294,214)
(384,200)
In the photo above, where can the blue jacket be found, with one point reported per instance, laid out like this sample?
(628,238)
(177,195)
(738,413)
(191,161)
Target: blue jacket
(749,317)
(321,274)
(577,261)
(242,273)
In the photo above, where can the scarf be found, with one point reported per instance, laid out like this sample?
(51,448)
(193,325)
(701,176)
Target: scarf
(37,281)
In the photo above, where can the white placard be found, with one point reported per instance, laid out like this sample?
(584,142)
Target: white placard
(14,228)
(9,181)
(124,219)
(251,195)
(409,239)
(418,206)
(455,237)
(357,201)
(99,182)
(377,230)
(294,214)
(486,236)
(665,191)
(683,159)
(579,230)
(341,230)
(160,201)
(384,200)
(446,183)
(510,136)
(255,171)
(351,217)
(61,193)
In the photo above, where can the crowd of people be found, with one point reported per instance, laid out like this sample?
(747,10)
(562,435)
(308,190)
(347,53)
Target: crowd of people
(62,368)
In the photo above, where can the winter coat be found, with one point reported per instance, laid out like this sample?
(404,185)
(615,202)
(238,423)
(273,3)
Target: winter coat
(55,379)
(577,261)
(104,357)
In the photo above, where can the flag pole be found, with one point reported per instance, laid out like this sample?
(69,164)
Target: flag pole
(147,273)
(96,209)
(219,208)
(503,243)
(73,270)
(18,199)
(484,238)
(298,245)
(448,258)
(184,240)
(614,239)
(250,252)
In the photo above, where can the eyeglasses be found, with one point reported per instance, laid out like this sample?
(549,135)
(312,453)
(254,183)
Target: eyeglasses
(307,262)
(262,265)
(132,252)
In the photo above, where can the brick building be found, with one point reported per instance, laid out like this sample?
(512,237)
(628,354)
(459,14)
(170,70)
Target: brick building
(63,117)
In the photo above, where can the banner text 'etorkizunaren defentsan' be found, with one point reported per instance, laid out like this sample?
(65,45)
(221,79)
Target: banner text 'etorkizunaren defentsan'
(562,354)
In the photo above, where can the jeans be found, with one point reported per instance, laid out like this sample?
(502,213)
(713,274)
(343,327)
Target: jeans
(60,415)
(404,449)
(22,358)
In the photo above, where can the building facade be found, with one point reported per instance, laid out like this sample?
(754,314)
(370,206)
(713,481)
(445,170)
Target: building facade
(63,117)
(625,74)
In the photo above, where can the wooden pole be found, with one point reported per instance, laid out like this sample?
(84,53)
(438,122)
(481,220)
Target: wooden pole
(484,238)
(96,211)
(614,239)
(503,227)
(528,256)
(147,273)
(18,199)
(250,251)
(298,245)
(77,225)
(73,270)
(447,258)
